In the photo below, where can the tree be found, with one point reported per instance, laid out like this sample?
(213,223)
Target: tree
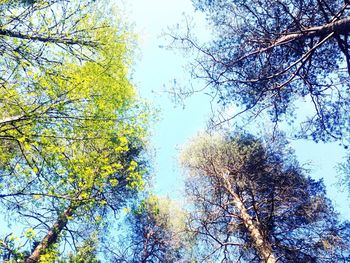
(251,202)
(86,253)
(267,55)
(37,41)
(156,233)
(37,34)
(72,129)
(344,170)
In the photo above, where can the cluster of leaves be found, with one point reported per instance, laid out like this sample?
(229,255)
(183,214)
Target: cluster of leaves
(268,56)
(72,129)
(249,201)
(156,233)
(252,202)
(73,133)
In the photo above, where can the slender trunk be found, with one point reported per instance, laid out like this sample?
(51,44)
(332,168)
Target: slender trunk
(336,28)
(47,39)
(339,27)
(52,236)
(13,119)
(262,246)
(145,252)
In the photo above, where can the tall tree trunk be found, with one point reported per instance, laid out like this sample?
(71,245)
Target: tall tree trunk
(145,252)
(338,27)
(52,236)
(60,39)
(261,245)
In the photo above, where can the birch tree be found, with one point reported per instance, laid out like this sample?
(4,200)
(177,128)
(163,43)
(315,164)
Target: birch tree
(72,129)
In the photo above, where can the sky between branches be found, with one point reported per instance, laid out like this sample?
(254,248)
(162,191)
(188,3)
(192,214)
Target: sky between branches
(156,69)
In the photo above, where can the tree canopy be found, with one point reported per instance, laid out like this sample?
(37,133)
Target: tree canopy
(72,129)
(252,202)
(74,132)
(275,55)
(156,233)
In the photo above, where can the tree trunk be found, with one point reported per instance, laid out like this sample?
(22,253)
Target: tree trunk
(13,119)
(52,235)
(145,252)
(47,39)
(262,246)
(339,27)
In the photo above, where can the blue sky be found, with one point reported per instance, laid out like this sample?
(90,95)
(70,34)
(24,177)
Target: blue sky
(156,69)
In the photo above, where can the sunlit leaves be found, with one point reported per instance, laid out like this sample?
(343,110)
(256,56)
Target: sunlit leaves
(71,125)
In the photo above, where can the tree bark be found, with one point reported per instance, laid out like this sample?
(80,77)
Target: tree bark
(339,27)
(13,119)
(336,28)
(262,246)
(52,236)
(47,39)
